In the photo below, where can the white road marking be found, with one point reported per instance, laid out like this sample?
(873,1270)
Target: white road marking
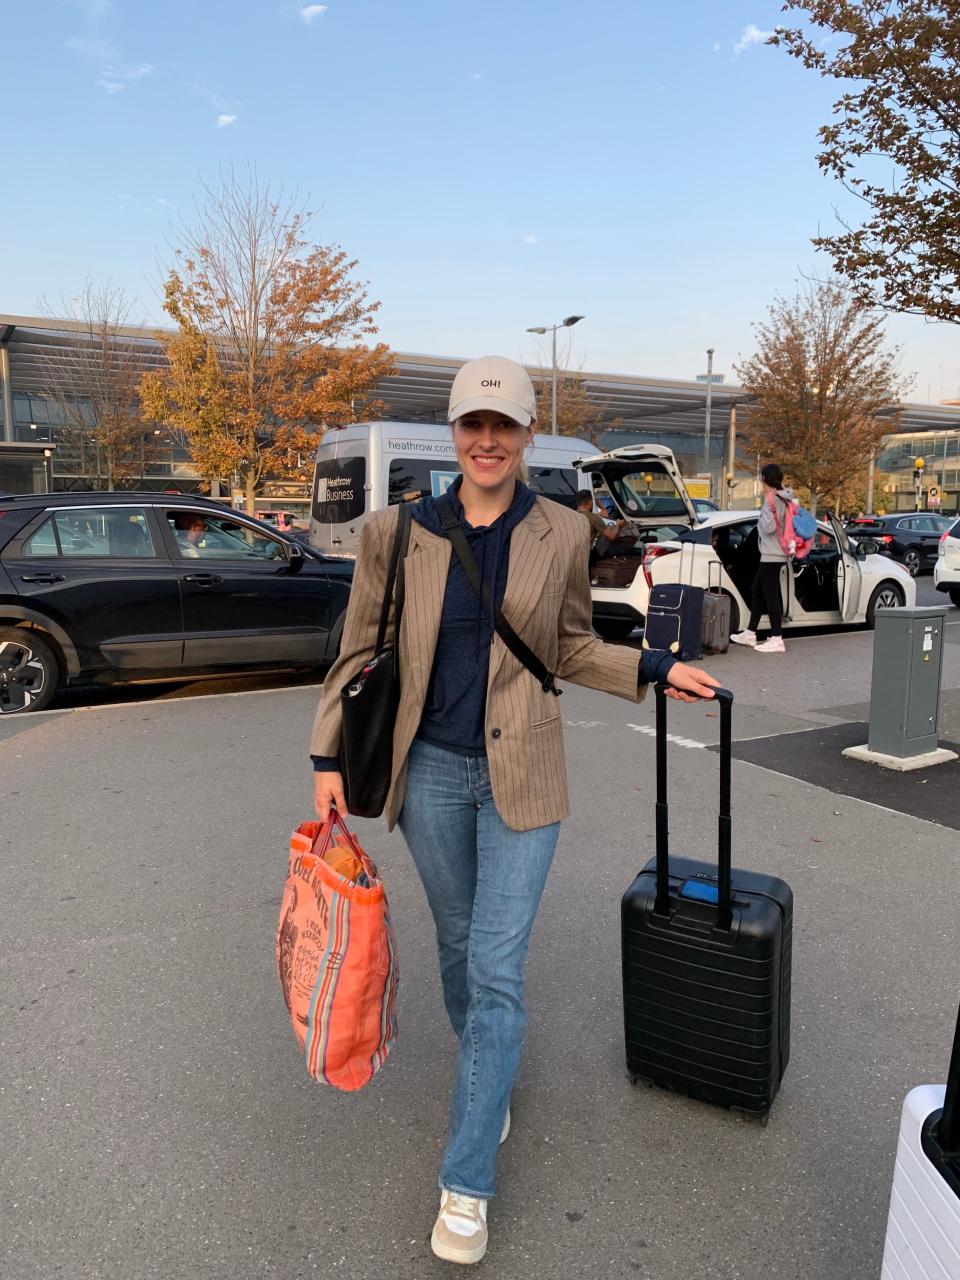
(671,737)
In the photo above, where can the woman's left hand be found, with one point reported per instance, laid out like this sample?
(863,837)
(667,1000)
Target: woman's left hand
(689,684)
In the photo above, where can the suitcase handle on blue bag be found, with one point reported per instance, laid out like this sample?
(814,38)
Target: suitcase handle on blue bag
(724,905)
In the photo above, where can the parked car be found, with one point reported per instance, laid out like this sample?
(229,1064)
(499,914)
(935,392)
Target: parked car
(838,582)
(641,485)
(118,587)
(946,572)
(704,507)
(284,521)
(910,538)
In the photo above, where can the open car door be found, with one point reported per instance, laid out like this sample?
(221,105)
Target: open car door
(645,485)
(848,573)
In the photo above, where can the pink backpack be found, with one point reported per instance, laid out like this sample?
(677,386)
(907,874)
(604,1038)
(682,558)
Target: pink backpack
(793,544)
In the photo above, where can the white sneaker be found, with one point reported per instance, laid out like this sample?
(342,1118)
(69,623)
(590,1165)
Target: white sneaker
(460,1232)
(745,637)
(772,645)
(506,1128)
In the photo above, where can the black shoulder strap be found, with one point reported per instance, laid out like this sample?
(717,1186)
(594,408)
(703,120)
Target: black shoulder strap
(395,578)
(524,654)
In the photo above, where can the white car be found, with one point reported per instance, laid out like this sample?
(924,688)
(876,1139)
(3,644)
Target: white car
(837,583)
(641,485)
(667,541)
(946,572)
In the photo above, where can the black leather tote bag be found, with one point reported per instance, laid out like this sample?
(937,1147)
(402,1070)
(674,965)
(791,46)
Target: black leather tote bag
(369,701)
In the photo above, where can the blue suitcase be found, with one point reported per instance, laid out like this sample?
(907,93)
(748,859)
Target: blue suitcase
(674,620)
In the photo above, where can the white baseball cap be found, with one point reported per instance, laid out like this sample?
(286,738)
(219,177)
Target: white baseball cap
(493,382)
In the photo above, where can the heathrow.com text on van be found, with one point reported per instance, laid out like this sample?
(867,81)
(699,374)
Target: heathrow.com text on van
(422,446)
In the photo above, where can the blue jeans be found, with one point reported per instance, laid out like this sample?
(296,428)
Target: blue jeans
(483,882)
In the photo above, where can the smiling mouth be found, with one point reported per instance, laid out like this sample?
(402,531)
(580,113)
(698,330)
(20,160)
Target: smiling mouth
(486,460)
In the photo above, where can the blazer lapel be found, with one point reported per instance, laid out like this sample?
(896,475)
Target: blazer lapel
(531,553)
(425,570)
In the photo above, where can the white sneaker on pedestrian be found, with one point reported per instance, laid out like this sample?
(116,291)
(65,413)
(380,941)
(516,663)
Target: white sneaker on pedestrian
(772,645)
(745,637)
(460,1232)
(506,1128)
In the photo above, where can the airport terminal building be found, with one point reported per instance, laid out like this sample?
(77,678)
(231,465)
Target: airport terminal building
(41,446)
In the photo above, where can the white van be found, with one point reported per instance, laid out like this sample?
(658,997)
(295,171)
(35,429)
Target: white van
(369,466)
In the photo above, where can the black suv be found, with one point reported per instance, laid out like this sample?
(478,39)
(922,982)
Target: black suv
(110,587)
(911,538)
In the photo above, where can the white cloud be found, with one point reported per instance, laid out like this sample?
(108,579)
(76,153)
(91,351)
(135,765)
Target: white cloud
(110,86)
(530,238)
(716,46)
(477,75)
(223,121)
(311,11)
(136,73)
(751,35)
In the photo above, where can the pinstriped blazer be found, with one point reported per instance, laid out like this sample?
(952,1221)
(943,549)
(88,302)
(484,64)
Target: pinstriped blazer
(547,602)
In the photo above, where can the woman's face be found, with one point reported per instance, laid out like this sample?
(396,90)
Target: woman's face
(490,447)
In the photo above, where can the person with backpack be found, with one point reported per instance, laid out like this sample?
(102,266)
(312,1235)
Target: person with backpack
(777,547)
(478,785)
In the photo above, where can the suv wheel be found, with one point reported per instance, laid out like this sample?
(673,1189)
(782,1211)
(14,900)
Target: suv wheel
(912,561)
(29,672)
(887,596)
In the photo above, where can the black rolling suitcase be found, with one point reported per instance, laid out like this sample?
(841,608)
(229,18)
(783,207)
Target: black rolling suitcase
(706,963)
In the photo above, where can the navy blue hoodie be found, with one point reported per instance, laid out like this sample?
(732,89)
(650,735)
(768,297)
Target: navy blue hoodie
(454,715)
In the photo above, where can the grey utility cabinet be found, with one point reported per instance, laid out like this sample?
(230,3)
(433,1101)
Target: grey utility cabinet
(905,694)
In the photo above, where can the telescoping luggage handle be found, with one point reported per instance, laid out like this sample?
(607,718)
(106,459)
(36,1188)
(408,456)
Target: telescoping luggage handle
(662,905)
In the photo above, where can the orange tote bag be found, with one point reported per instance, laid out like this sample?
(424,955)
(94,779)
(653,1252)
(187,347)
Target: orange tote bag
(337,957)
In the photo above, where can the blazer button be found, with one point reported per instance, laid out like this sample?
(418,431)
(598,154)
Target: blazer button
(495,734)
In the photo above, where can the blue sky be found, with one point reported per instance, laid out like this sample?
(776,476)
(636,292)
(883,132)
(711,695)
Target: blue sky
(649,165)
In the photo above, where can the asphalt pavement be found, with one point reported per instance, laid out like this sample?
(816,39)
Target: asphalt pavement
(156,1119)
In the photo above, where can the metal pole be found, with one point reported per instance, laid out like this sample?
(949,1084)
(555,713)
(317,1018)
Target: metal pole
(727,487)
(870,470)
(706,424)
(8,434)
(553,388)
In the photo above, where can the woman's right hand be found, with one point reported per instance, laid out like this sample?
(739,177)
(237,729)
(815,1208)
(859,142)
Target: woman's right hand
(328,794)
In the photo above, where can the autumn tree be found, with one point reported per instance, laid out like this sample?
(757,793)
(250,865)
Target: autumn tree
(95,390)
(578,414)
(894,143)
(821,376)
(270,341)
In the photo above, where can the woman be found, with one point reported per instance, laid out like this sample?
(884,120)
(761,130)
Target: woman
(478,785)
(765,594)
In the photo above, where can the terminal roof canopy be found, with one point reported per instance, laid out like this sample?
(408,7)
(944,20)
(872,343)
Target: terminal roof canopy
(40,349)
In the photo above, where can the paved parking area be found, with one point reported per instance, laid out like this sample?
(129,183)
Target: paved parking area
(156,1120)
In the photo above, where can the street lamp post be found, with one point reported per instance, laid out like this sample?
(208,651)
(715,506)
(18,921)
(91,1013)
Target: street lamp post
(706,424)
(552,329)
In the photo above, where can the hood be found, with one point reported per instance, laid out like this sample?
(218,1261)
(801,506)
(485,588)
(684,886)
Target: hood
(426,514)
(487,542)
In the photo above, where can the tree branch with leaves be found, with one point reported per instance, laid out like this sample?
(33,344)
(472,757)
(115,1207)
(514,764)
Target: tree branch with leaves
(272,337)
(894,144)
(822,375)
